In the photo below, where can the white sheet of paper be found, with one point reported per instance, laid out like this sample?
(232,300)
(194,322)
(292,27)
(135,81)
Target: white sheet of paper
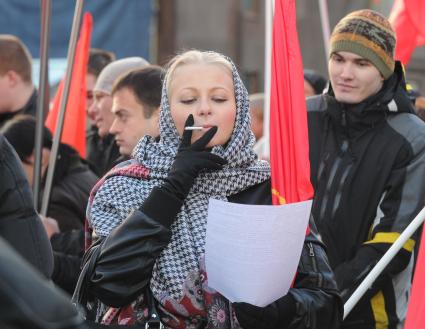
(252,251)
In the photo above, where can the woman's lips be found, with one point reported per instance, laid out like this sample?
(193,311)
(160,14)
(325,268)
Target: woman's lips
(344,86)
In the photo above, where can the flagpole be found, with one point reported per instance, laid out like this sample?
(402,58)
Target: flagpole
(59,126)
(383,262)
(269,10)
(43,96)
(326,31)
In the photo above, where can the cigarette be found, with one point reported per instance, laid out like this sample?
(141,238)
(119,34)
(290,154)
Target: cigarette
(193,128)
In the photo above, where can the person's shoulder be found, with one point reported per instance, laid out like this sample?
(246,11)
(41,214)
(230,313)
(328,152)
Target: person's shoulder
(3,145)
(79,177)
(129,169)
(408,125)
(316,103)
(8,155)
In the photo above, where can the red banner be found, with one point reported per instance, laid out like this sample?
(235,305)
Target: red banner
(407,18)
(289,149)
(74,129)
(416,310)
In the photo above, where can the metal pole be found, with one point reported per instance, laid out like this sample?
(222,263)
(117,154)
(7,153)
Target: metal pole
(326,31)
(383,262)
(43,96)
(269,11)
(59,124)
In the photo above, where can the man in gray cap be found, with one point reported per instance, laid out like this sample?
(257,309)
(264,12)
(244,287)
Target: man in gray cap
(102,151)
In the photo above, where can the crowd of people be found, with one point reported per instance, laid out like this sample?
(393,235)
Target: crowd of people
(125,229)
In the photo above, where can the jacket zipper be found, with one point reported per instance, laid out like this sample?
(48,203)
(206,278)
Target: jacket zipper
(313,260)
(344,118)
(338,195)
(334,170)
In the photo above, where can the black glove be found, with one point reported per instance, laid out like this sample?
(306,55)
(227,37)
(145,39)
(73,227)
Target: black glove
(278,314)
(190,160)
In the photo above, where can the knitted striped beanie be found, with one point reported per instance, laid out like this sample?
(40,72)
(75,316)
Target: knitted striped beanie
(368,34)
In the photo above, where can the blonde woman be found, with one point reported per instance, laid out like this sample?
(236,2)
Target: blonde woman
(152,213)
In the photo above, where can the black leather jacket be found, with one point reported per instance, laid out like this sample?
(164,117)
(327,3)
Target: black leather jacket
(19,223)
(120,267)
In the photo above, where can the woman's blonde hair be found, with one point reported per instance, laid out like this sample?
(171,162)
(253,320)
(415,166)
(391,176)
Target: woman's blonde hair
(194,57)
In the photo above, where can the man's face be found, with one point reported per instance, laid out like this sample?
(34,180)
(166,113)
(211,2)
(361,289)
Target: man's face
(353,77)
(90,83)
(5,93)
(130,124)
(101,112)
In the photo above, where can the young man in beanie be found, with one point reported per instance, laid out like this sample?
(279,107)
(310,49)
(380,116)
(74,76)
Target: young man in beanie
(367,154)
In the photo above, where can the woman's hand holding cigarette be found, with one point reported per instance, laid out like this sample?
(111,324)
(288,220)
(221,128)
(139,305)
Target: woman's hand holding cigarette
(191,159)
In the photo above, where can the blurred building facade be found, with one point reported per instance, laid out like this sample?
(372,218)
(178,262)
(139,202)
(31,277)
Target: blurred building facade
(157,29)
(236,28)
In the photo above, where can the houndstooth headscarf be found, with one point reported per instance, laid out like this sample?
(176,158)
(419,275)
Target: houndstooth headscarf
(119,194)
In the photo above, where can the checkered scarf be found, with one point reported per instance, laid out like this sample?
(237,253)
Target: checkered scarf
(120,194)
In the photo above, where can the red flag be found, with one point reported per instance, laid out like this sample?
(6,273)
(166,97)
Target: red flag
(74,129)
(415,318)
(289,156)
(407,18)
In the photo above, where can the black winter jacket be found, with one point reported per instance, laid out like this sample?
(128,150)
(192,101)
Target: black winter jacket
(19,223)
(102,153)
(68,250)
(30,301)
(118,281)
(72,183)
(368,171)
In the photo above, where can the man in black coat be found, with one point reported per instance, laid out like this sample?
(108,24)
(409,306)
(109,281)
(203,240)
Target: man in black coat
(19,223)
(72,183)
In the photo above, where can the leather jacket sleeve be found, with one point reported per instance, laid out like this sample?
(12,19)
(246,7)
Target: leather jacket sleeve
(123,264)
(133,248)
(125,259)
(318,304)
(312,302)
(19,223)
